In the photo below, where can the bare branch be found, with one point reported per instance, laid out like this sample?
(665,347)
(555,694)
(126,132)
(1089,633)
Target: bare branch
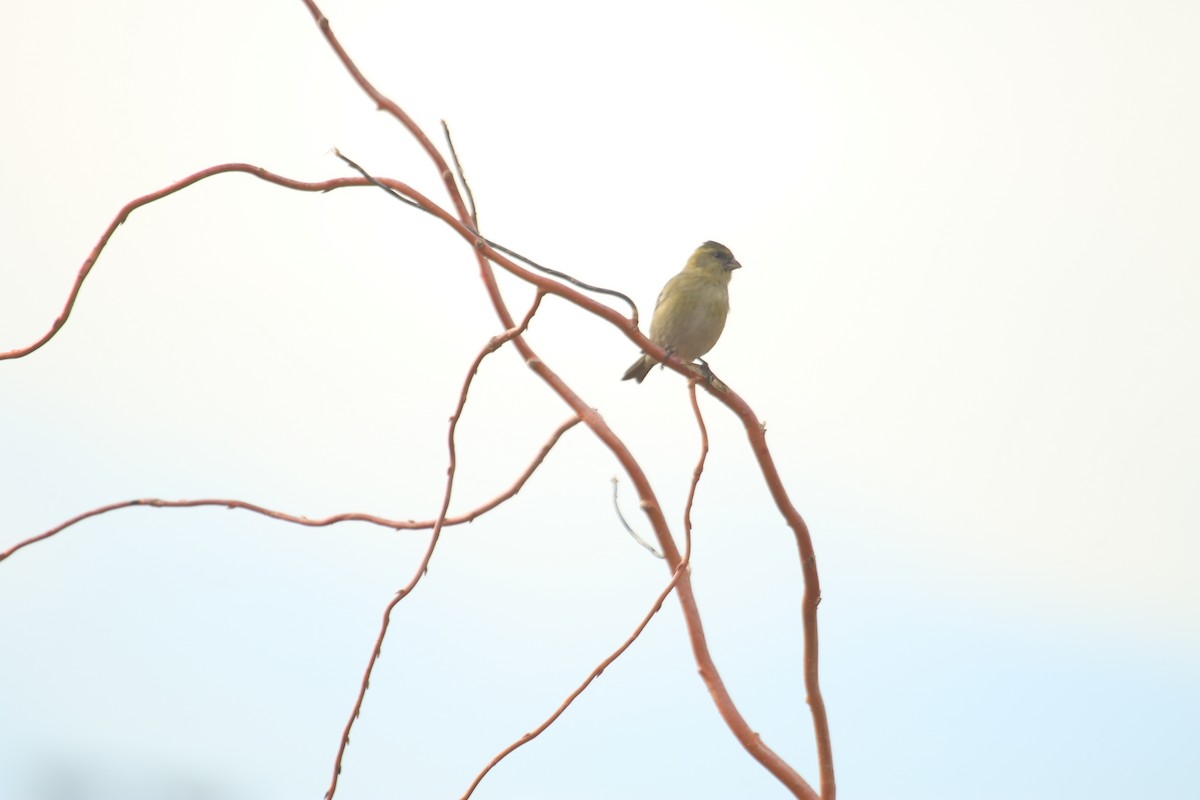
(683,565)
(462,176)
(487,254)
(756,433)
(320,522)
(499,247)
(492,346)
(123,214)
(699,470)
(386,104)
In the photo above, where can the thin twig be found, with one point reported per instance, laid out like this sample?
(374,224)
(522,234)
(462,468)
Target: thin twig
(462,176)
(699,470)
(387,104)
(132,205)
(679,571)
(629,528)
(422,569)
(403,192)
(495,246)
(749,739)
(603,665)
(461,223)
(319,522)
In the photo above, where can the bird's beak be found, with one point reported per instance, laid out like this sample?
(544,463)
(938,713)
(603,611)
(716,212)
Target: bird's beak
(732,265)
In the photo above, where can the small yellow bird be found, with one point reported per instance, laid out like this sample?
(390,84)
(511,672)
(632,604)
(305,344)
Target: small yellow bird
(691,309)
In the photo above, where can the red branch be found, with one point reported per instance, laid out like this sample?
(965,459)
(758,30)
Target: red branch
(486,255)
(123,214)
(654,609)
(320,522)
(603,665)
(699,470)
(683,565)
(749,739)
(491,347)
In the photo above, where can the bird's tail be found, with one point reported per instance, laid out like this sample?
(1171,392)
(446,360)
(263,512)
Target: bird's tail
(640,369)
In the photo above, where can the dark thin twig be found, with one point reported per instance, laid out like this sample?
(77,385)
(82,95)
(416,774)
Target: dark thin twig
(629,528)
(495,246)
(564,276)
(395,194)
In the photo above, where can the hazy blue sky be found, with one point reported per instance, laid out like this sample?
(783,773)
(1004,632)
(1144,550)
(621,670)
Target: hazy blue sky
(968,316)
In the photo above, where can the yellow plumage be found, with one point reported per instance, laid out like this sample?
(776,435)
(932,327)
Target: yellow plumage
(691,309)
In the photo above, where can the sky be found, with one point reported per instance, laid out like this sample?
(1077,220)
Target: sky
(967,315)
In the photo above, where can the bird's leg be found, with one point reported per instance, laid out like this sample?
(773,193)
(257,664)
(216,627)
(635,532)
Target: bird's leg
(709,377)
(670,352)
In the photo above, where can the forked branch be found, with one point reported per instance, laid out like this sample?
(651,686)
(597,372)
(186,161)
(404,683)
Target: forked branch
(463,222)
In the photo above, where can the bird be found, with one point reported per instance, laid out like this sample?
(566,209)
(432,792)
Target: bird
(691,309)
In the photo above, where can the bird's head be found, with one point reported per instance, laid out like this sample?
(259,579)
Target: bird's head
(714,258)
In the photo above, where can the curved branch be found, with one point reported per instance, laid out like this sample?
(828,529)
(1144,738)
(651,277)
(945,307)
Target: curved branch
(318,522)
(756,433)
(386,104)
(545,284)
(128,208)
(451,471)
(603,665)
(486,255)
(684,564)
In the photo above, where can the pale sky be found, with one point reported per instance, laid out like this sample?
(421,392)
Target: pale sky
(967,315)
